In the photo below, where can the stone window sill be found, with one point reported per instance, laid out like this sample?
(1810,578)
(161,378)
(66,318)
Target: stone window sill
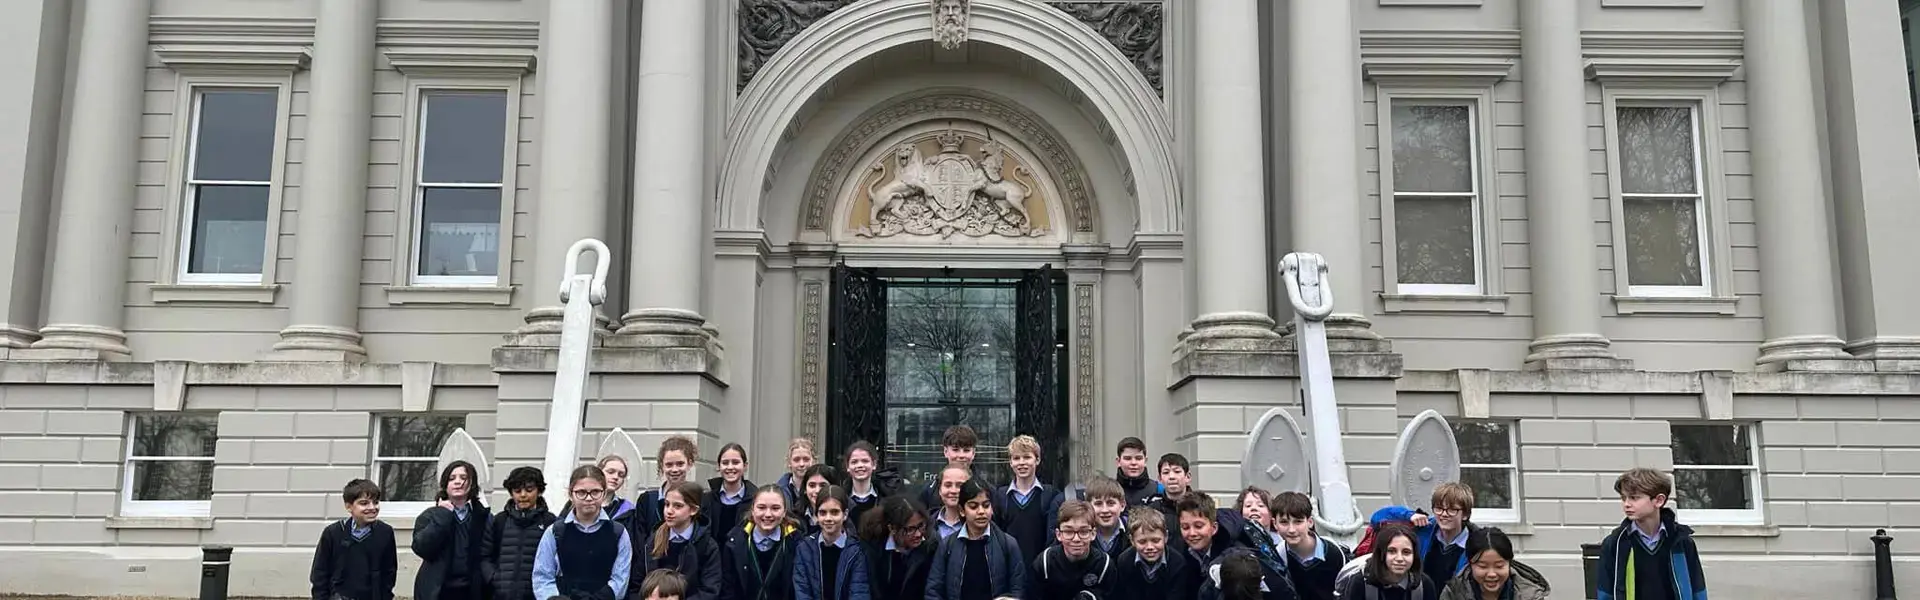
(1438,303)
(471,295)
(1734,531)
(1508,528)
(1638,305)
(214,293)
(160,523)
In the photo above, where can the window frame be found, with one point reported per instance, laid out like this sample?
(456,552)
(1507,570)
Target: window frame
(160,508)
(1709,173)
(408,234)
(1501,515)
(1755,482)
(176,282)
(1481,123)
(374,459)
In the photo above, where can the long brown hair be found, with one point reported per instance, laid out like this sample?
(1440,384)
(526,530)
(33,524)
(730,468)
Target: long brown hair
(690,493)
(1377,562)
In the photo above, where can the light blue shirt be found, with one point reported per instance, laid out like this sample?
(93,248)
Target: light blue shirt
(1652,541)
(681,534)
(837,542)
(731,499)
(944,530)
(763,541)
(546,560)
(1319,552)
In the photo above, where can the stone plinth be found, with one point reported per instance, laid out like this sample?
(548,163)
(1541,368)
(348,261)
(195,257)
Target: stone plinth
(651,393)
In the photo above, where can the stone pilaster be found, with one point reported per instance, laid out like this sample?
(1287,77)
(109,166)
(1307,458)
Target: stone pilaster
(36,36)
(1874,178)
(670,164)
(1228,233)
(576,92)
(1323,112)
(1796,266)
(1566,306)
(325,303)
(85,311)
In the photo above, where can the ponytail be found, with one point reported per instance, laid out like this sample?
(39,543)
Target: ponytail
(690,493)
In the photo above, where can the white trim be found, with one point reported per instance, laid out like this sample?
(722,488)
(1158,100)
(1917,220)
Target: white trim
(1711,209)
(177,235)
(158,508)
(374,459)
(1479,105)
(1501,515)
(1755,476)
(406,267)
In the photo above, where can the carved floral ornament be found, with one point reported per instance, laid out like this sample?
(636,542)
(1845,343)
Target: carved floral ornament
(949,184)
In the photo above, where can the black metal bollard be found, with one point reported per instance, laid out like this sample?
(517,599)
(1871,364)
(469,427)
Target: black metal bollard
(1590,565)
(1882,565)
(215,561)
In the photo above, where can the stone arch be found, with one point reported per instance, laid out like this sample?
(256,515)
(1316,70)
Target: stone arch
(1104,78)
(825,185)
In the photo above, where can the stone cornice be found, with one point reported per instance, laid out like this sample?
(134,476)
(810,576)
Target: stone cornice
(459,48)
(1662,57)
(227,44)
(1432,57)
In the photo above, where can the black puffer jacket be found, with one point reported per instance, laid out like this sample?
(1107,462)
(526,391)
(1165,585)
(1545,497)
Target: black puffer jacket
(512,539)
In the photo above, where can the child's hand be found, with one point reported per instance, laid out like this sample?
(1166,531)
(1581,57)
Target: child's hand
(446,504)
(1419,520)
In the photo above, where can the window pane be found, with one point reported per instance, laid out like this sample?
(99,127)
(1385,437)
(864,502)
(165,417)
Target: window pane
(465,138)
(1663,241)
(172,480)
(1717,445)
(229,229)
(410,481)
(174,435)
(1432,148)
(1720,490)
(460,232)
(416,436)
(236,132)
(1483,443)
(1433,240)
(1656,150)
(1492,488)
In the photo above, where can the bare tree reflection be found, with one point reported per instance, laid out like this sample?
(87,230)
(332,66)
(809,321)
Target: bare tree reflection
(159,444)
(949,361)
(1712,445)
(413,437)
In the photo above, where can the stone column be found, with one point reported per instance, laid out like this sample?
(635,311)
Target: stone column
(30,118)
(1874,178)
(96,208)
(325,303)
(670,154)
(1566,305)
(1796,259)
(1228,232)
(576,93)
(1323,109)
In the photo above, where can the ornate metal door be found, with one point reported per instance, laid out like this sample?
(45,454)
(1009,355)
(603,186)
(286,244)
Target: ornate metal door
(1039,382)
(857,365)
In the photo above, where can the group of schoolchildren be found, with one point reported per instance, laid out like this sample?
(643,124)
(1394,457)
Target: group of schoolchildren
(857,532)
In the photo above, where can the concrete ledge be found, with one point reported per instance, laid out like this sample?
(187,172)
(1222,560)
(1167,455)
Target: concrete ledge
(248,373)
(1205,363)
(701,360)
(1667,382)
(159,523)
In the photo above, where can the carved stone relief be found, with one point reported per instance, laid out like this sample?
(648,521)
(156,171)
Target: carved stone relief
(813,293)
(767,25)
(966,185)
(950,21)
(1054,157)
(1133,27)
(1083,376)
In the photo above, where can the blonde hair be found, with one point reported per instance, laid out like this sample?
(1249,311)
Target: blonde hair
(1143,519)
(801,443)
(1023,444)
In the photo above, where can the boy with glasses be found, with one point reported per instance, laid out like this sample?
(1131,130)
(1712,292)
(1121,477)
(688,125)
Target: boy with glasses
(1070,567)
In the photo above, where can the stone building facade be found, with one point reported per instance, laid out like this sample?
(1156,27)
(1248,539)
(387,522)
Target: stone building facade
(257,249)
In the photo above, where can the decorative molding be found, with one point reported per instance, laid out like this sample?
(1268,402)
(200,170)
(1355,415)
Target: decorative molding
(1433,3)
(765,26)
(1653,3)
(1653,305)
(213,294)
(1438,303)
(420,47)
(230,58)
(1046,143)
(229,44)
(1084,377)
(1135,28)
(1662,57)
(812,369)
(443,295)
(1430,57)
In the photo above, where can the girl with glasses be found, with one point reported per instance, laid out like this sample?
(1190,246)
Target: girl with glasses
(894,537)
(585,556)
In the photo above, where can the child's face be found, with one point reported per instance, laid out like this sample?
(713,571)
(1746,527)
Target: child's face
(673,467)
(460,484)
(1023,463)
(1076,537)
(950,482)
(1639,506)
(813,487)
(364,510)
(616,472)
(1400,555)
(587,493)
(679,511)
(979,512)
(1132,462)
(830,515)
(1490,570)
(1106,512)
(1254,510)
(768,510)
(733,466)
(1196,530)
(798,460)
(1450,518)
(912,535)
(1175,478)
(1293,529)
(859,465)
(525,496)
(1150,545)
(962,456)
